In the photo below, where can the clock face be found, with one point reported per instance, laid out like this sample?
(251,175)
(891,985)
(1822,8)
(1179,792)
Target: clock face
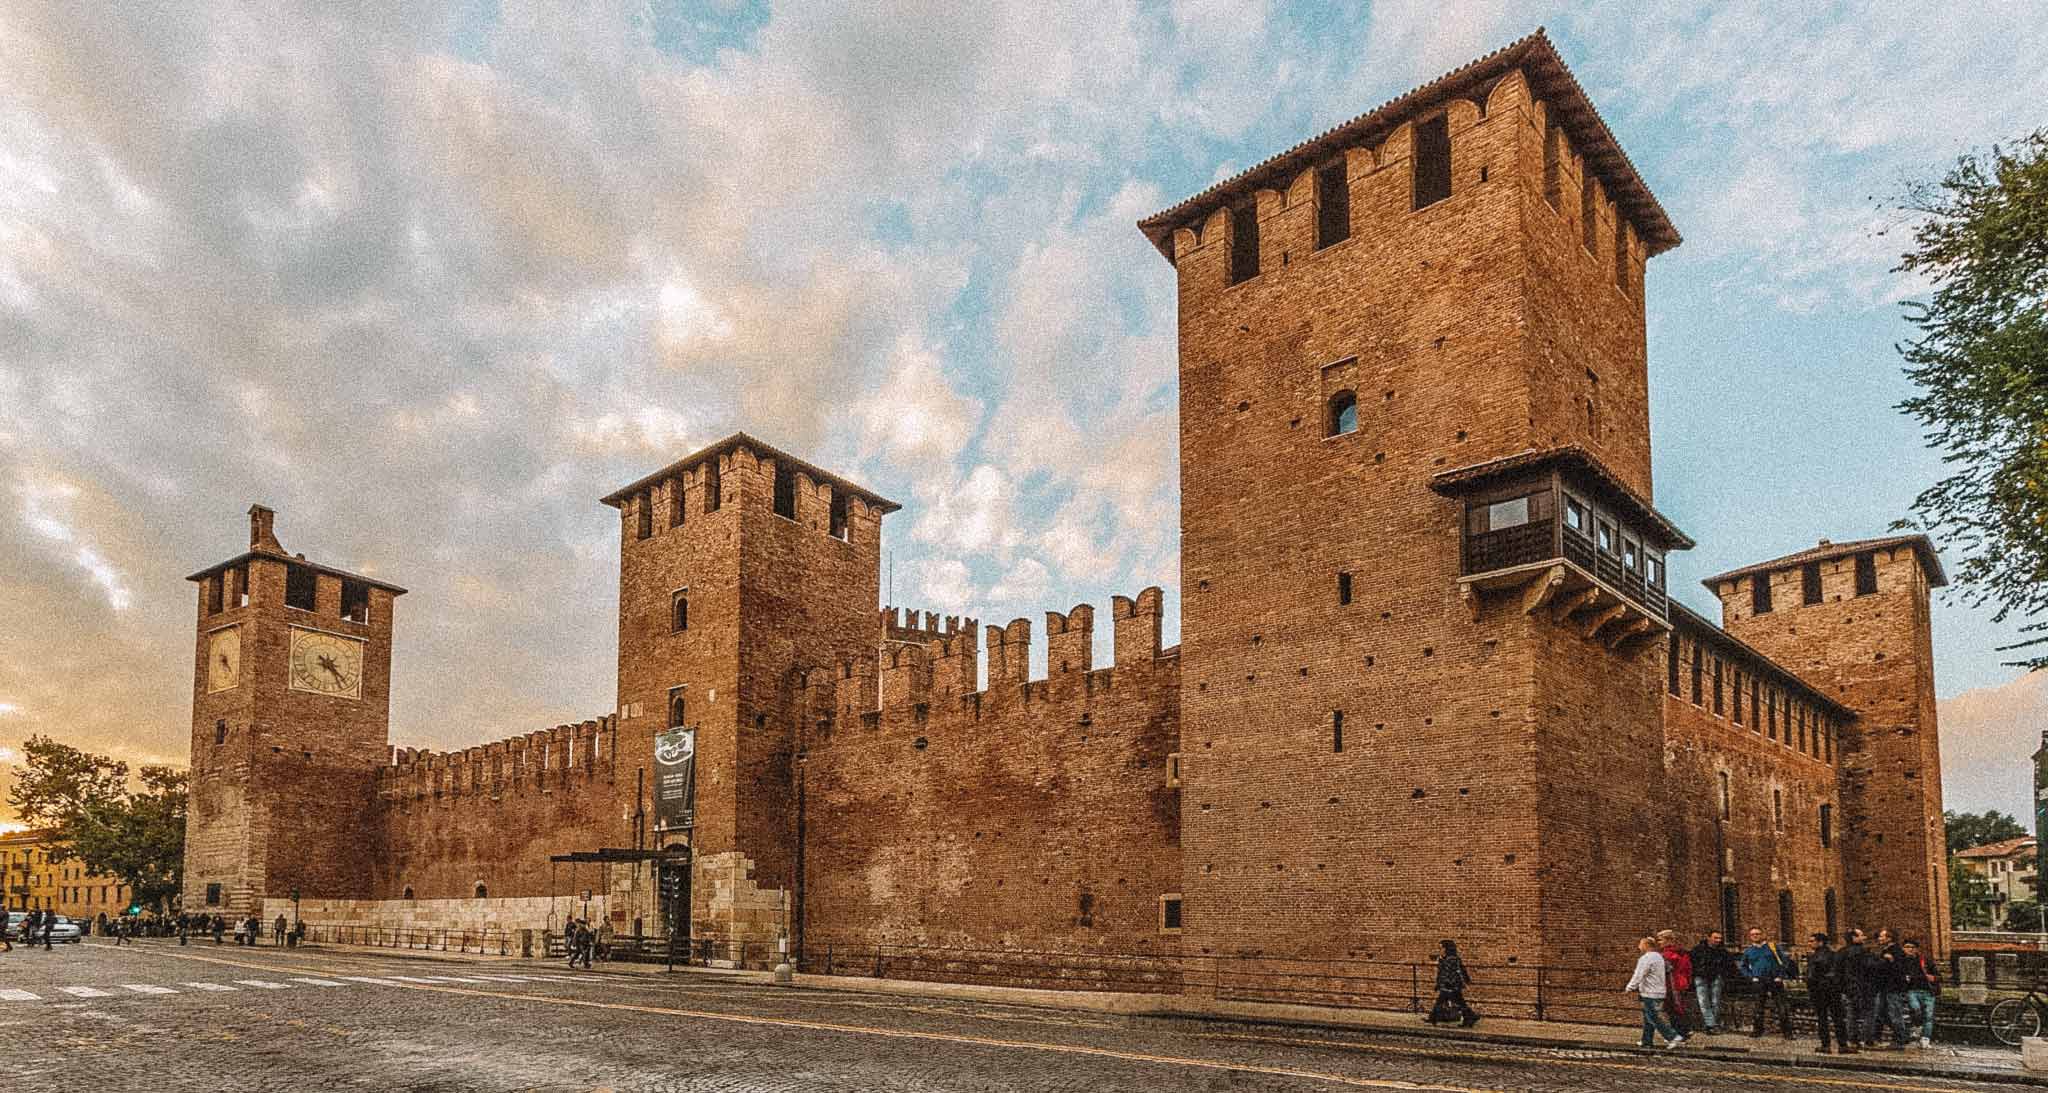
(327,664)
(224,660)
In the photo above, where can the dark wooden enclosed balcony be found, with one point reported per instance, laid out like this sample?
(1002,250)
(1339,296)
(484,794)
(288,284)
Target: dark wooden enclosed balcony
(1558,526)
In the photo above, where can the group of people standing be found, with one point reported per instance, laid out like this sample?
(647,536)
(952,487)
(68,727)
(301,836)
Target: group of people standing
(37,926)
(1855,987)
(581,941)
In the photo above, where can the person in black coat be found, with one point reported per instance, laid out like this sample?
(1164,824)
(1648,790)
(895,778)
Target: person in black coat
(1451,981)
(1862,980)
(1827,984)
(1712,966)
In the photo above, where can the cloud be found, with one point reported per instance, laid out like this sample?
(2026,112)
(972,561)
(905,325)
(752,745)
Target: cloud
(1988,738)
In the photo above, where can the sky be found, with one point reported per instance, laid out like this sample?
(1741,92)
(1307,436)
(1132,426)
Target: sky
(431,278)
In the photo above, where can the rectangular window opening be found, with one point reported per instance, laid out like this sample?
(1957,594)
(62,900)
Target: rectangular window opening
(676,505)
(1511,513)
(213,895)
(643,512)
(1173,770)
(1169,913)
(1719,708)
(1589,213)
(1809,583)
(1760,594)
(1771,712)
(1777,810)
(1727,801)
(1827,825)
(1553,153)
(1866,574)
(1343,588)
(1333,205)
(1432,160)
(1576,516)
(1698,658)
(1738,696)
(1337,730)
(712,489)
(239,577)
(214,595)
(1244,242)
(1620,250)
(300,584)
(838,526)
(355,601)
(1671,666)
(785,491)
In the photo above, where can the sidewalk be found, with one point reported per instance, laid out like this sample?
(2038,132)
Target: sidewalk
(1959,1062)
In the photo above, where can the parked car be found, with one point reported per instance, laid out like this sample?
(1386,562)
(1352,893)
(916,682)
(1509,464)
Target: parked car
(65,932)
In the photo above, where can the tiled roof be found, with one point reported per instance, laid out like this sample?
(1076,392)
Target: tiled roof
(1828,550)
(2003,849)
(295,560)
(1549,79)
(737,440)
(1462,479)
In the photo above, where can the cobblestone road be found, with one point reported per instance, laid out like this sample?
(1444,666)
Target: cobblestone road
(158,1017)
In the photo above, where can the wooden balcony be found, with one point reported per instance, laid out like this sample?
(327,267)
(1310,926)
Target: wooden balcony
(1558,529)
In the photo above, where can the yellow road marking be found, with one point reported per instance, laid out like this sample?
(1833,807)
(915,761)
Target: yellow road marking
(1659,1068)
(1496,1058)
(912,1034)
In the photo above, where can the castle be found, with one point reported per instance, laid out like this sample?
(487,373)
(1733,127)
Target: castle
(1431,682)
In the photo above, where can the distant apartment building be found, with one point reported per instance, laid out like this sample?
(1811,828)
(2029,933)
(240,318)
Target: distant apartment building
(32,880)
(2007,866)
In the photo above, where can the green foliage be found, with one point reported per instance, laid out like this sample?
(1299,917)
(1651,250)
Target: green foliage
(2024,916)
(1969,898)
(1968,829)
(98,818)
(1981,364)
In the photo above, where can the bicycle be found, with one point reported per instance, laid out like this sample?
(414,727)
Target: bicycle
(2015,1019)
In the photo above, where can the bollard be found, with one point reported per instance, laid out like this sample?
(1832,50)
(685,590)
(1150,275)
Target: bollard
(2034,1053)
(1970,980)
(2005,970)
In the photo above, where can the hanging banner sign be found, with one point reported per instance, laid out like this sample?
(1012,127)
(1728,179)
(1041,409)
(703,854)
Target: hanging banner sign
(675,780)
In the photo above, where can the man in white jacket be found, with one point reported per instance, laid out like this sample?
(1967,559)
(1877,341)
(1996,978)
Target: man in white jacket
(1651,984)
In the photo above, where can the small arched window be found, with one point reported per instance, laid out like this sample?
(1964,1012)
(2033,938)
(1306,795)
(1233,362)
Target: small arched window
(1343,414)
(676,718)
(679,604)
(408,894)
(481,891)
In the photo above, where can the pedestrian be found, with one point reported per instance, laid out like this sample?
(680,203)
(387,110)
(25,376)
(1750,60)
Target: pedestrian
(1888,975)
(123,931)
(1712,963)
(586,943)
(1763,964)
(298,933)
(280,928)
(1923,986)
(1649,984)
(1862,989)
(1827,986)
(49,930)
(184,927)
(1451,981)
(220,928)
(30,926)
(1678,993)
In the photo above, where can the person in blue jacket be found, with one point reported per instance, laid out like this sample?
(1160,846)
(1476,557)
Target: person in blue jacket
(1765,965)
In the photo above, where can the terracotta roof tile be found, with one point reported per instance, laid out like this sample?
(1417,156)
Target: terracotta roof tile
(1828,550)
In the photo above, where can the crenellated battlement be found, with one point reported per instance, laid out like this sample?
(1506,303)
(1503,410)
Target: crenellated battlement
(936,665)
(540,759)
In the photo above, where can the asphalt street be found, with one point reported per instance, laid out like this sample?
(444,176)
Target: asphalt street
(158,1017)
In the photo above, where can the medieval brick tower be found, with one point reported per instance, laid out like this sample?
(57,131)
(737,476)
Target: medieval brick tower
(1415,476)
(1853,619)
(739,566)
(291,714)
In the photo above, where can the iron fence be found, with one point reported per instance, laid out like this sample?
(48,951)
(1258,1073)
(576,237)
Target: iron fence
(486,942)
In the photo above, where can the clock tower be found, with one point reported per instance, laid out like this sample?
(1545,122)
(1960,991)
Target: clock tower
(291,714)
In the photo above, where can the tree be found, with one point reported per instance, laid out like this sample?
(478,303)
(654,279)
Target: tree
(1969,898)
(96,817)
(1968,829)
(1981,364)
(2024,916)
